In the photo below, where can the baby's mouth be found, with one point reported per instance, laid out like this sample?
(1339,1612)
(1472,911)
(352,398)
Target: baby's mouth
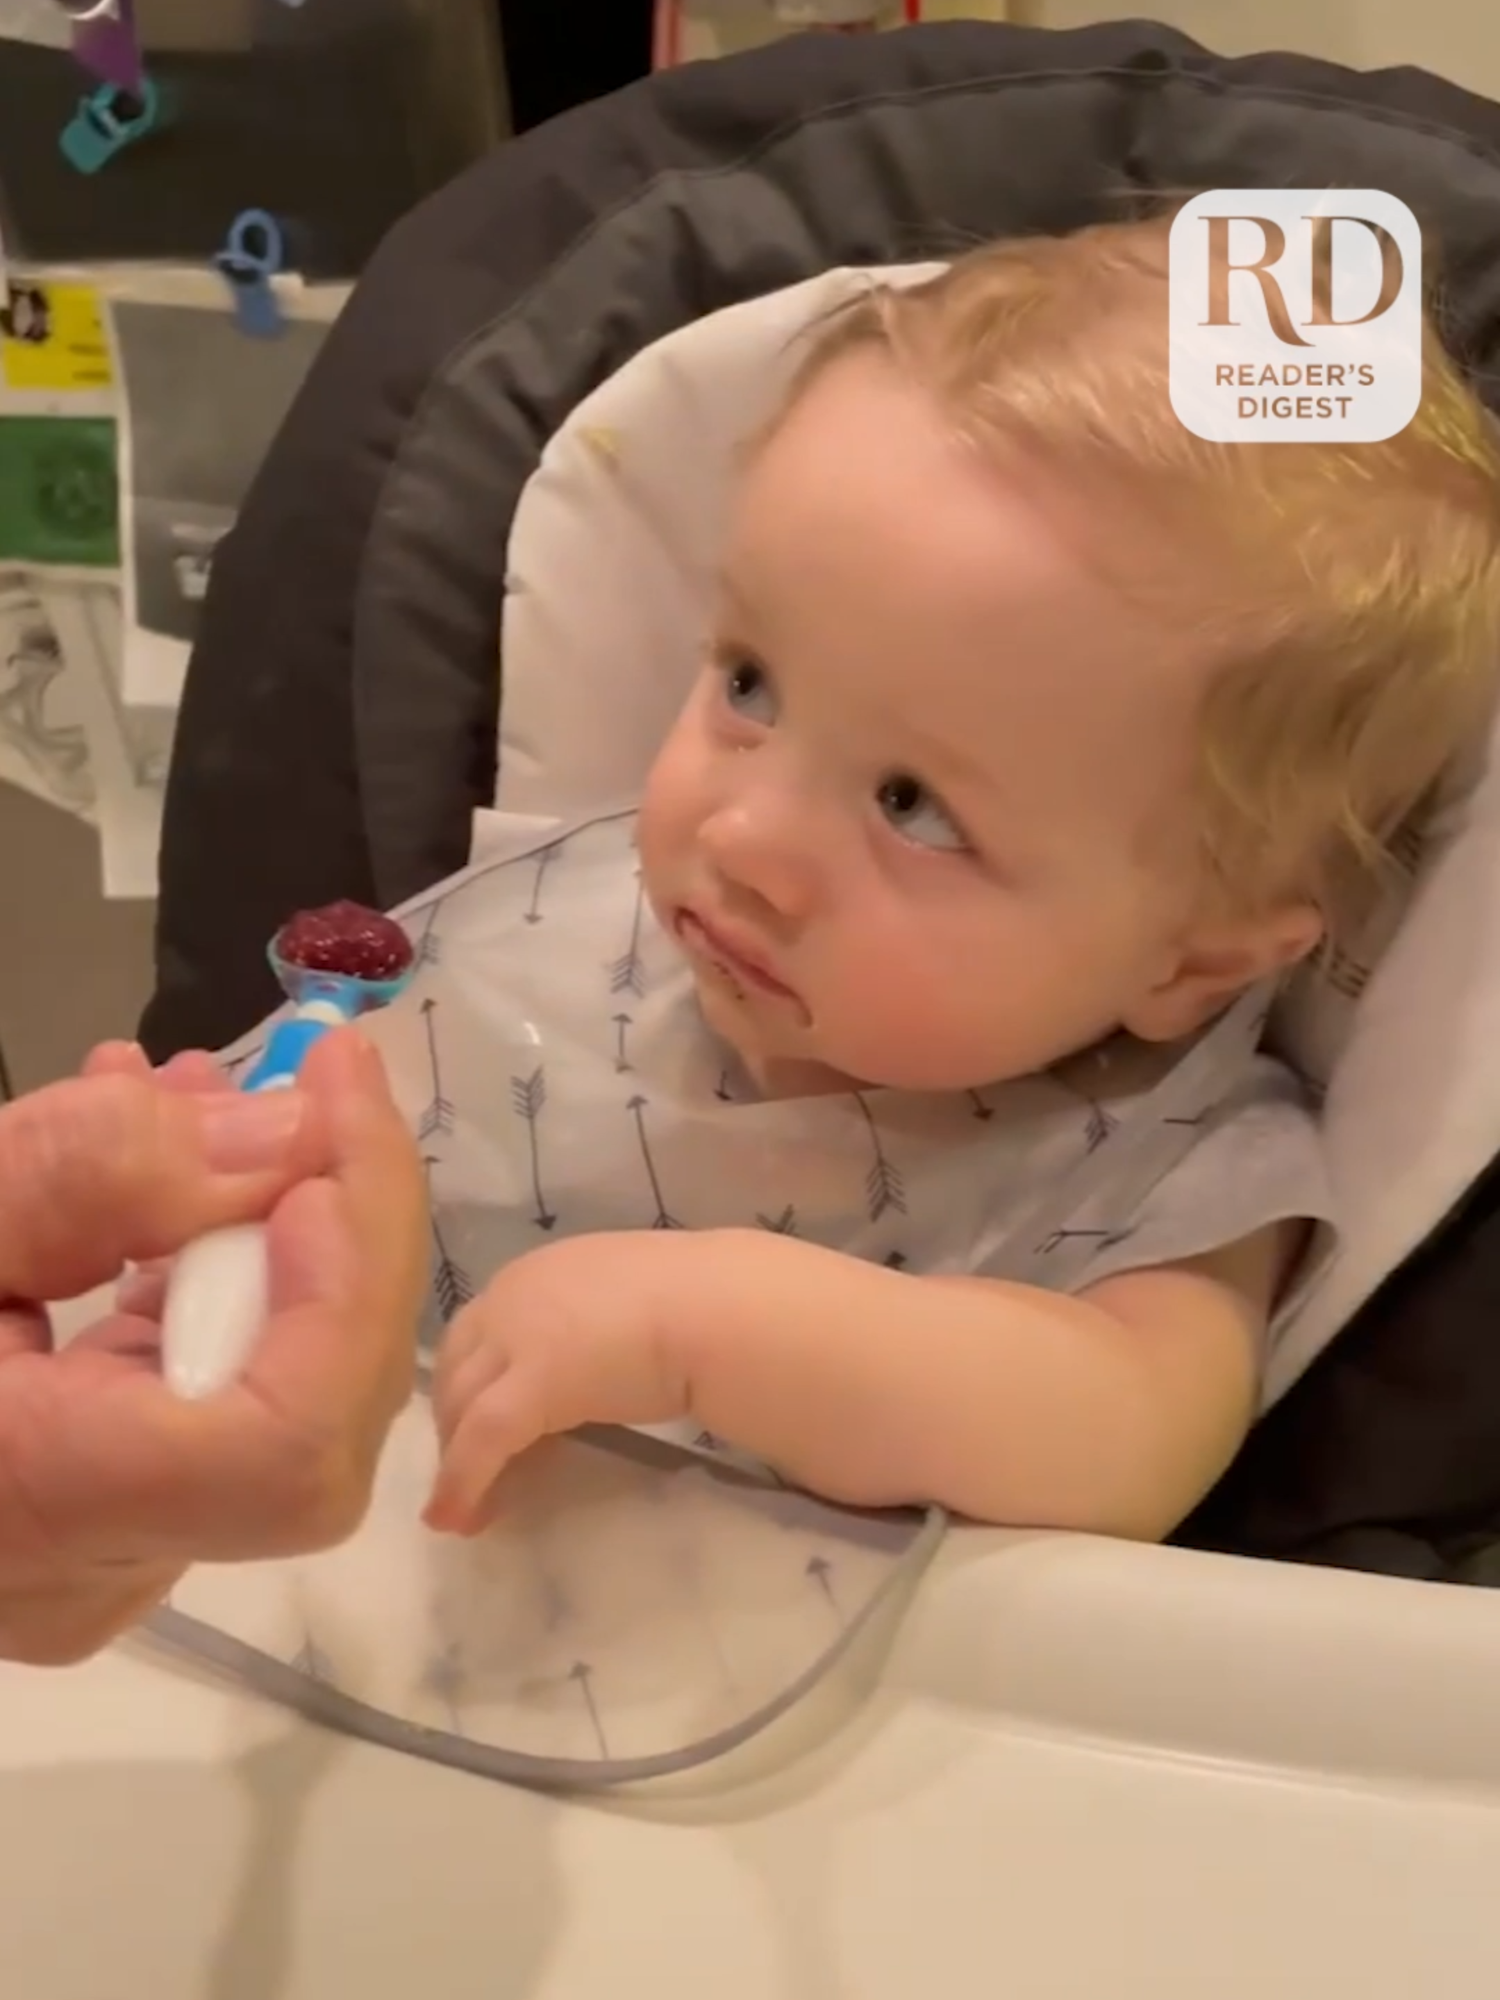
(743,973)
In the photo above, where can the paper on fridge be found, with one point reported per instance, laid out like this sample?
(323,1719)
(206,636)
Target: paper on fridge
(58,476)
(127,750)
(43,745)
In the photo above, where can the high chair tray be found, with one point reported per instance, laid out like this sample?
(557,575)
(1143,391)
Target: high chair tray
(1080,1772)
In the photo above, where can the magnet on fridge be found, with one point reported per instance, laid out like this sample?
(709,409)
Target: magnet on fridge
(106,122)
(254,253)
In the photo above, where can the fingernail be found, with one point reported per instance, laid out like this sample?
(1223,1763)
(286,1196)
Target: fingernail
(445,1514)
(248,1132)
(356,1061)
(371,1062)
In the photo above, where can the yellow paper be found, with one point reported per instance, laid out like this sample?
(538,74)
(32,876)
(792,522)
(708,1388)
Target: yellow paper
(52,339)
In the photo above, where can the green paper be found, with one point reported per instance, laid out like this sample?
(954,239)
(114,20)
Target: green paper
(59,492)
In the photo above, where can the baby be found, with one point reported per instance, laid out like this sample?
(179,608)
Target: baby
(1031,723)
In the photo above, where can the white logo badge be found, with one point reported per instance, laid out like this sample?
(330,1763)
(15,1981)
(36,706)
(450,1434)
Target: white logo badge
(1295,313)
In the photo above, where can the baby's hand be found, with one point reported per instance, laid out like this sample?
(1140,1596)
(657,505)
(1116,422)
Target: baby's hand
(571,1334)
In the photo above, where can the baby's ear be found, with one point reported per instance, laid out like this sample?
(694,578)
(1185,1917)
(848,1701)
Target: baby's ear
(1219,963)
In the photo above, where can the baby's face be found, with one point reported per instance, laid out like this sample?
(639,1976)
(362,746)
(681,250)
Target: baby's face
(926,819)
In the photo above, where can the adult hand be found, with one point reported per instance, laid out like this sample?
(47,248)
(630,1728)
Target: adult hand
(110,1487)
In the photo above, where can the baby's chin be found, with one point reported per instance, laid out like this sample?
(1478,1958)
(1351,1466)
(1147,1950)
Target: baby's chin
(777,1066)
(778,1071)
(808,1061)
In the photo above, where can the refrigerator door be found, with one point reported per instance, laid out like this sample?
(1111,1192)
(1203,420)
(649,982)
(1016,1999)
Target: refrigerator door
(336,118)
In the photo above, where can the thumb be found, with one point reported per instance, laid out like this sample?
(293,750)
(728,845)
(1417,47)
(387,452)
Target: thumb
(109,1169)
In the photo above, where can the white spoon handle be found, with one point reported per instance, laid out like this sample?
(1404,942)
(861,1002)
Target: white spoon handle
(217,1301)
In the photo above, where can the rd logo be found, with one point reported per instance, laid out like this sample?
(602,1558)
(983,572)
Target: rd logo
(1295,314)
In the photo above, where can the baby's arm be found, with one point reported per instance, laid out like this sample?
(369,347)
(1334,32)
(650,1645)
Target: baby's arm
(1112,1412)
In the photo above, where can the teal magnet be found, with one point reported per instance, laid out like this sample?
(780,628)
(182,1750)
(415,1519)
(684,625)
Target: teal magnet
(106,122)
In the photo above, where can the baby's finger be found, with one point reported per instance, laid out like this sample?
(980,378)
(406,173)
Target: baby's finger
(501,1423)
(455,1388)
(465,1335)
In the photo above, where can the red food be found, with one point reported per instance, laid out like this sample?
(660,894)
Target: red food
(347,939)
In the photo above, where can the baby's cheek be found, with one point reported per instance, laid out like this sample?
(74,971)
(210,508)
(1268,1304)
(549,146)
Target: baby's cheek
(665,818)
(913,1024)
(950,997)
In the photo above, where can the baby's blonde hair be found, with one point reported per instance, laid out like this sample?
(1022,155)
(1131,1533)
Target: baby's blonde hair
(1352,591)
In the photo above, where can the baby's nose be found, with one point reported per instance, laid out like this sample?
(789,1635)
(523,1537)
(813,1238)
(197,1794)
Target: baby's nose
(766,855)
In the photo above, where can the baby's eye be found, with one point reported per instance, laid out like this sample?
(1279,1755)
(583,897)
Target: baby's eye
(747,689)
(916,814)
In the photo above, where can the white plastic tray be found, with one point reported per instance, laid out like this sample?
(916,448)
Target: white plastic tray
(1084,1773)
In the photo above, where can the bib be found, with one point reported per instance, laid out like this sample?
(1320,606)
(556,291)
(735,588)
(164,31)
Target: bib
(643,1607)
